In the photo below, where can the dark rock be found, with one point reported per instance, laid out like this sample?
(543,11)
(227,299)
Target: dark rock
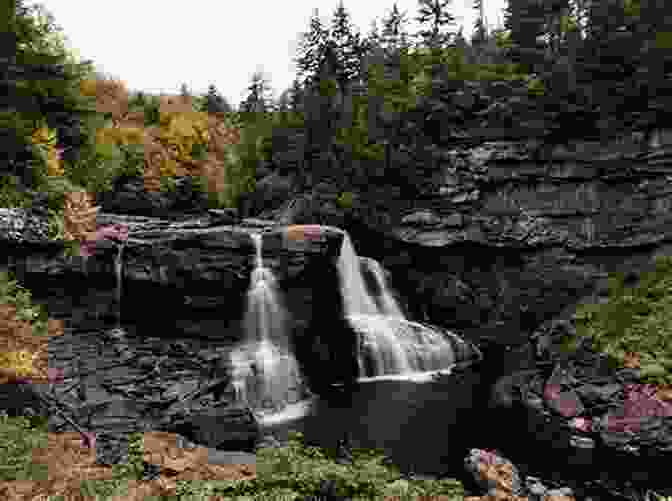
(222,428)
(270,193)
(224,216)
(21,400)
(129,196)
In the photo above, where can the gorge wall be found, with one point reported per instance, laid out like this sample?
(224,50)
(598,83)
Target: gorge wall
(501,241)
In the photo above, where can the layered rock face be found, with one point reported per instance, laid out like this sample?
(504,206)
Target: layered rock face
(190,279)
(501,242)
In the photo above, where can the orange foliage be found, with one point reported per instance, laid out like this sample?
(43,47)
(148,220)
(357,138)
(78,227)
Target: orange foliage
(69,463)
(161,157)
(79,216)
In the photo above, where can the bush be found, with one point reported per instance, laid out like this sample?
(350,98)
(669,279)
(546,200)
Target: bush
(18,439)
(635,320)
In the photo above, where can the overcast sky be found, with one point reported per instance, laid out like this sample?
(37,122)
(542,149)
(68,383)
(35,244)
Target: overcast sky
(155,46)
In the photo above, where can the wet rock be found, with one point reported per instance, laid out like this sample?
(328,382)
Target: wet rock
(197,269)
(222,428)
(599,421)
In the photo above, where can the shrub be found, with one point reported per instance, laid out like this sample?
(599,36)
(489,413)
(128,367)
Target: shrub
(18,439)
(635,320)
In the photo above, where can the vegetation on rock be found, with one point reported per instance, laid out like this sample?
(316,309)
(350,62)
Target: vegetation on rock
(634,325)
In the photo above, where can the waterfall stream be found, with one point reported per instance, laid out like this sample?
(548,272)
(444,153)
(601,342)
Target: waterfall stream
(389,343)
(265,374)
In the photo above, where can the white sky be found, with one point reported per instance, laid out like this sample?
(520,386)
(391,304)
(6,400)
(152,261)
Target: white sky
(156,46)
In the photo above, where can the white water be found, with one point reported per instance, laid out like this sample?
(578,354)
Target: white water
(356,298)
(390,345)
(387,304)
(118,331)
(265,375)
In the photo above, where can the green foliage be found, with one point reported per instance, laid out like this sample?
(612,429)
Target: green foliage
(296,471)
(152,114)
(356,136)
(18,439)
(291,472)
(14,294)
(345,200)
(637,319)
(535,87)
(100,164)
(11,195)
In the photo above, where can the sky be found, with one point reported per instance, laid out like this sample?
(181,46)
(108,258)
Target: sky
(156,46)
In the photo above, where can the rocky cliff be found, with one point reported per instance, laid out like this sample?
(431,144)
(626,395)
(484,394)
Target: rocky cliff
(501,241)
(189,278)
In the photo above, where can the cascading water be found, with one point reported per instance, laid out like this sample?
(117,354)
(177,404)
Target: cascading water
(118,331)
(265,374)
(387,304)
(389,343)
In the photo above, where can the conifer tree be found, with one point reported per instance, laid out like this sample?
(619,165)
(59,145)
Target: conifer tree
(311,49)
(38,81)
(394,36)
(480,34)
(214,102)
(373,38)
(434,14)
(347,46)
(258,99)
(296,96)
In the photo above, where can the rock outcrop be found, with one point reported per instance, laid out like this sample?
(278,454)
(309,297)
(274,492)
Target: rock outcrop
(190,278)
(500,241)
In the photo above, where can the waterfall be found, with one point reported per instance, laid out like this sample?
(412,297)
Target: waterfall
(387,305)
(389,343)
(356,298)
(118,331)
(265,375)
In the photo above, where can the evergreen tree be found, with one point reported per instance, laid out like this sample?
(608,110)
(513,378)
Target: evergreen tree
(480,33)
(435,14)
(394,36)
(296,96)
(38,82)
(214,102)
(311,49)
(347,46)
(258,99)
(373,38)
(284,101)
(526,20)
(184,91)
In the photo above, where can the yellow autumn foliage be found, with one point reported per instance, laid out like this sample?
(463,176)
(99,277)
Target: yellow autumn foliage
(19,362)
(54,167)
(44,136)
(168,145)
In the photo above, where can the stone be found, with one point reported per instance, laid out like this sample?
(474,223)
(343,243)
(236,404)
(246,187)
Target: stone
(233,428)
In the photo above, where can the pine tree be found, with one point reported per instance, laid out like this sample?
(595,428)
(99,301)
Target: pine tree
(480,34)
(526,20)
(296,96)
(373,37)
(257,100)
(214,102)
(434,13)
(37,79)
(311,49)
(394,36)
(347,46)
